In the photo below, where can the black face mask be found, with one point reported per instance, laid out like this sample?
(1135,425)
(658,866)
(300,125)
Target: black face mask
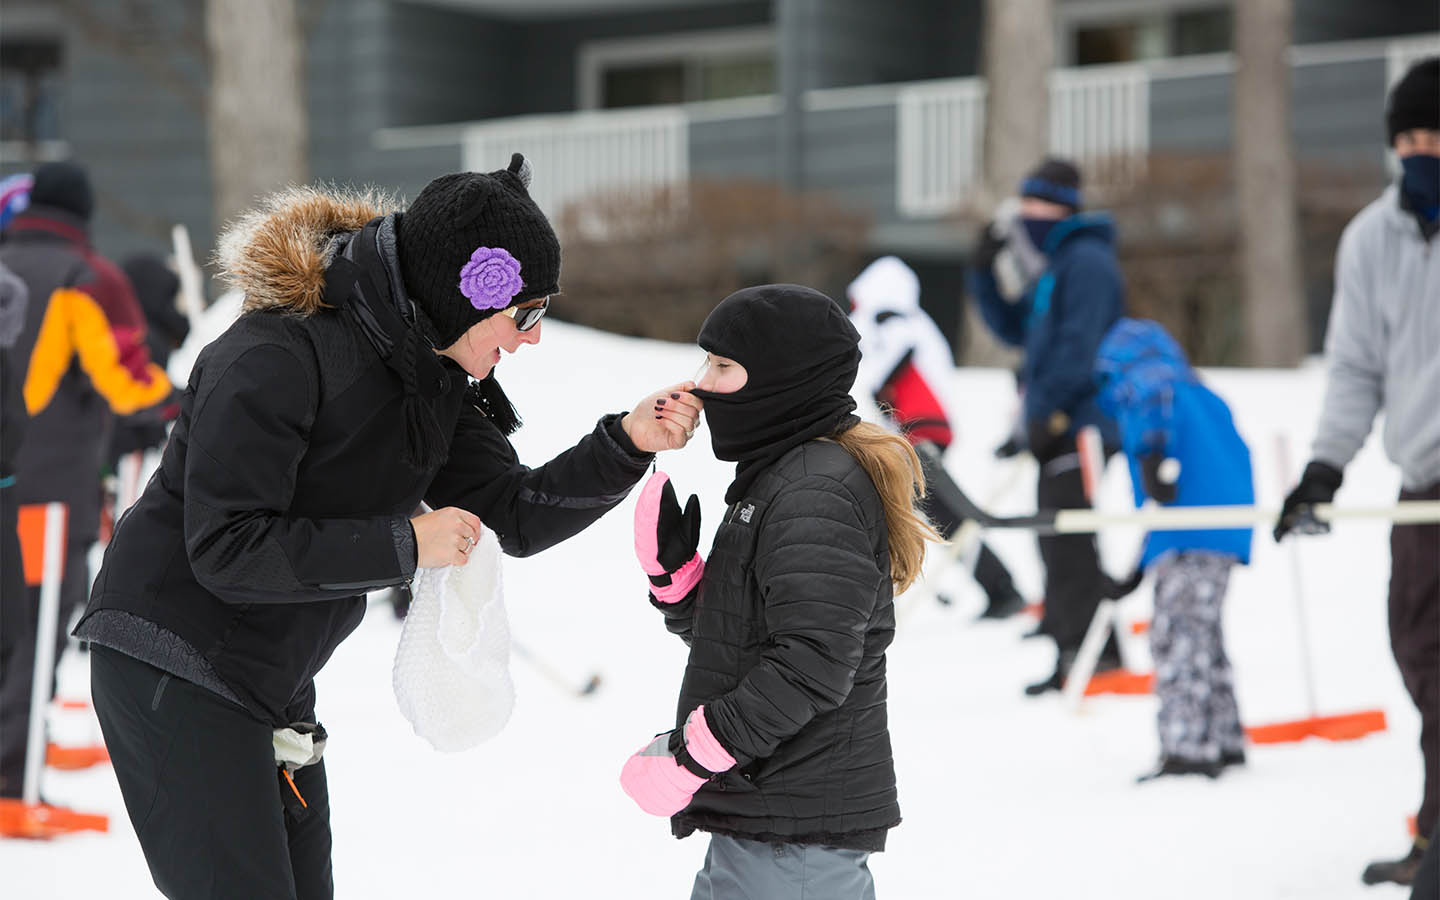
(801,355)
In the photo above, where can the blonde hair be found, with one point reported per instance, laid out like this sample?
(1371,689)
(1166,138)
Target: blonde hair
(892,465)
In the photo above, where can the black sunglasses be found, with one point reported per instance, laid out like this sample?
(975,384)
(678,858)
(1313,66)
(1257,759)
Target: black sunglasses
(527,317)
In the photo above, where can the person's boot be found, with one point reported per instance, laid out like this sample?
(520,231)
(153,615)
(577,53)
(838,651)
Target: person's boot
(1004,606)
(1230,758)
(992,576)
(1179,765)
(1397,871)
(1056,681)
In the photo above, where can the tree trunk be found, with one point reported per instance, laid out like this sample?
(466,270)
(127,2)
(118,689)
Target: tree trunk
(1265,185)
(258,135)
(1019,50)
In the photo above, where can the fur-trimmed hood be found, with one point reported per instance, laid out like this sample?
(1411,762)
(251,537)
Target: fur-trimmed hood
(277,253)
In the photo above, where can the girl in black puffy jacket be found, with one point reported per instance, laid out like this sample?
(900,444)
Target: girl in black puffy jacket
(781,748)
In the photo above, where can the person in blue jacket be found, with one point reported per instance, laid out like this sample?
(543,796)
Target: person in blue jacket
(1046,280)
(1183,450)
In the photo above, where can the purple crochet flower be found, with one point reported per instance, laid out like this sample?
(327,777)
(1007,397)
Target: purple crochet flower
(491,278)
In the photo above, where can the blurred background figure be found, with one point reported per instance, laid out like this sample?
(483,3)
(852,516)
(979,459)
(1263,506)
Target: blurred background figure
(1183,450)
(157,288)
(16,615)
(1381,351)
(1058,319)
(83,357)
(906,365)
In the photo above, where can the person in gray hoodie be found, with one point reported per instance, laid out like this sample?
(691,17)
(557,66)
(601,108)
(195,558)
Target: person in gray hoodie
(1380,347)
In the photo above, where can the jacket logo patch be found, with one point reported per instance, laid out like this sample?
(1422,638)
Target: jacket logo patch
(746,512)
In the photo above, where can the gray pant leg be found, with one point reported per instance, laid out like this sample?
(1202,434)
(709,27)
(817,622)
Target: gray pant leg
(1198,715)
(738,869)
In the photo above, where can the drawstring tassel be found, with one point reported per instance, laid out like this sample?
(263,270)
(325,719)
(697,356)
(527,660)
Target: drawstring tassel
(424,442)
(490,398)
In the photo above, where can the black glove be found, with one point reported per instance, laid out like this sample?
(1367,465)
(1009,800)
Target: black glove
(1318,484)
(1115,590)
(1154,472)
(987,248)
(1011,447)
(677,534)
(1049,437)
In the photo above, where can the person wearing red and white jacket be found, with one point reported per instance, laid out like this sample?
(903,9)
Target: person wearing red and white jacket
(905,363)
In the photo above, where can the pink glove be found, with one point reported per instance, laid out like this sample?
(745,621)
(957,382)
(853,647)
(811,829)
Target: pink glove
(662,784)
(667,540)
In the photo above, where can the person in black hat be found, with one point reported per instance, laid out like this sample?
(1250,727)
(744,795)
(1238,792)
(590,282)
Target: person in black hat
(80,360)
(358,382)
(781,748)
(1046,280)
(1380,346)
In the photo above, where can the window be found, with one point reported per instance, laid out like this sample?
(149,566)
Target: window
(29,91)
(683,68)
(1115,32)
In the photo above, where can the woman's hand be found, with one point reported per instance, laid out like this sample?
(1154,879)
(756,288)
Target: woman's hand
(445,537)
(664,420)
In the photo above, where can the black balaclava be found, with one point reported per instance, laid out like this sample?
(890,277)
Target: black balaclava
(801,354)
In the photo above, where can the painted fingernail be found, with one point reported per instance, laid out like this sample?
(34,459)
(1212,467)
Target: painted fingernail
(672,397)
(659,417)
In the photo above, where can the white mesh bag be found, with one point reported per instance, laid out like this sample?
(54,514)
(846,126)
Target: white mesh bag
(452,668)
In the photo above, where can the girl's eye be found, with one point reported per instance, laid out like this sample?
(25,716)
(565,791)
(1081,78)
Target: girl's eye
(720,365)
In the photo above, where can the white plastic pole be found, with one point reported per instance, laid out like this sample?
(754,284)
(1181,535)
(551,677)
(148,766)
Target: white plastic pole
(51,573)
(1297,584)
(127,481)
(1072,521)
(192,294)
(1088,656)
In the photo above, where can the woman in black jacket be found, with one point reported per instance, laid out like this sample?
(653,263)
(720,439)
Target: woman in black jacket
(309,433)
(782,750)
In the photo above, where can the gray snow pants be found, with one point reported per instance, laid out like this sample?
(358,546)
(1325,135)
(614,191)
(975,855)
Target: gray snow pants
(737,869)
(1199,719)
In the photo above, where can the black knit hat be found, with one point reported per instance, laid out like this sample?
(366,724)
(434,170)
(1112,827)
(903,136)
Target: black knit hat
(1055,180)
(801,353)
(1415,99)
(63,185)
(472,244)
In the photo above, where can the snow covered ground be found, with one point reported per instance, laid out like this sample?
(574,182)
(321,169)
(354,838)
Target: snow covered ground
(1002,796)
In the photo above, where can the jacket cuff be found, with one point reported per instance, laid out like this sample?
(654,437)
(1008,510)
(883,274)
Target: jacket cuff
(406,550)
(620,441)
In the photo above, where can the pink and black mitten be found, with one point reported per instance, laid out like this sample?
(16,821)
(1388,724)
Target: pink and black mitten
(665,773)
(667,540)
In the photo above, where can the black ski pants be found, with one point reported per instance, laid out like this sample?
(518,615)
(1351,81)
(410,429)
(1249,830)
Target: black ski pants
(1073,580)
(19,619)
(204,794)
(1415,638)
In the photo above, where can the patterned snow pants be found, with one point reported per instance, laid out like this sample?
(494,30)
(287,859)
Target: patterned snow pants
(1199,719)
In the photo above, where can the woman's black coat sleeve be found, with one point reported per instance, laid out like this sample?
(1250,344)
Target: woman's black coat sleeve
(533,509)
(248,429)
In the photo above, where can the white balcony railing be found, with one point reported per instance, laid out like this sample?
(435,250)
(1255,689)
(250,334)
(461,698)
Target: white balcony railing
(577,154)
(941,129)
(1099,117)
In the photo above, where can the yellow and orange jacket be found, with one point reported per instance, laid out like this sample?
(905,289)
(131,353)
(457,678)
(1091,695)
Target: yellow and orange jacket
(84,360)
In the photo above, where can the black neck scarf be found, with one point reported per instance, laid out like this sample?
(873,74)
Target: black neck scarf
(801,354)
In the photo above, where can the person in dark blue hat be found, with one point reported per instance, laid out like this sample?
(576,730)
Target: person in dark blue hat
(1057,314)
